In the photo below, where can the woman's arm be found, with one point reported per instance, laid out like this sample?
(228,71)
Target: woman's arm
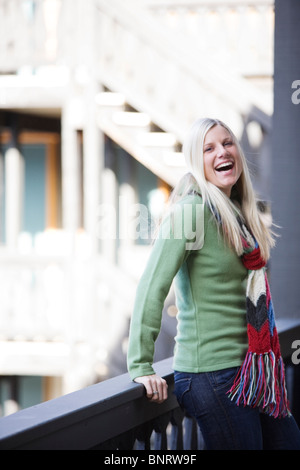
(171,249)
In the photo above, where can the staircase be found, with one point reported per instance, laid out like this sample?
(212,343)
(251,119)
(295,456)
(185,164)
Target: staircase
(161,65)
(167,83)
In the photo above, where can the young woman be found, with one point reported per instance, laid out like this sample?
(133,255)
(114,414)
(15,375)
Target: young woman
(214,244)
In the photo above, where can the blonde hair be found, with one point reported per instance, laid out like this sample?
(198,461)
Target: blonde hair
(217,199)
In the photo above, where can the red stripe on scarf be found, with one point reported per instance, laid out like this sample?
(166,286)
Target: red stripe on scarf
(253,260)
(259,341)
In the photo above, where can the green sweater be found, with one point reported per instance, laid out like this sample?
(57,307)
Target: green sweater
(210,290)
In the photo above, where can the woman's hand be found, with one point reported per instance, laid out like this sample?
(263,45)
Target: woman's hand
(156,387)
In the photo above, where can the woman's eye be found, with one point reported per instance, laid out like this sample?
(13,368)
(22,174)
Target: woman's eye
(228,143)
(208,149)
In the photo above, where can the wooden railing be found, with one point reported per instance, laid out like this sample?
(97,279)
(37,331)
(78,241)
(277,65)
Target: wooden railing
(115,414)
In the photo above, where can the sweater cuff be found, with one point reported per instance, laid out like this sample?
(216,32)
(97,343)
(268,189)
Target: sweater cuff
(140,372)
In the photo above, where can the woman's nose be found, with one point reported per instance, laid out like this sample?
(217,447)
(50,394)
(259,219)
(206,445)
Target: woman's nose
(221,151)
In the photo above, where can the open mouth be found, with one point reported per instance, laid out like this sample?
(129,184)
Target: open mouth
(226,166)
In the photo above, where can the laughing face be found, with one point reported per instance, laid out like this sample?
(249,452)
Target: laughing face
(222,161)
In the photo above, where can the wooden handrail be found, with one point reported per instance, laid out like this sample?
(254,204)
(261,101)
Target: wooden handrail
(108,414)
(85,418)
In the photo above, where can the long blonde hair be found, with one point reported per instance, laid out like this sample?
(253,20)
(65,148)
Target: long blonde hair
(217,199)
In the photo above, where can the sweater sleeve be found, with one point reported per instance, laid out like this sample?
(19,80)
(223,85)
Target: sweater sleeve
(180,233)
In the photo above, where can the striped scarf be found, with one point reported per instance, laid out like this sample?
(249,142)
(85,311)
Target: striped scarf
(260,381)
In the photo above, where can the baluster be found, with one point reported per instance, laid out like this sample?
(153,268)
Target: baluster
(143,435)
(125,441)
(189,432)
(176,437)
(200,440)
(160,434)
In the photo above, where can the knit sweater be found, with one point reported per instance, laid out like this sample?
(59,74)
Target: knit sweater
(210,291)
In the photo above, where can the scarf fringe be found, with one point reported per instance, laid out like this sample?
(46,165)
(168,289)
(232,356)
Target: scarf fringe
(260,382)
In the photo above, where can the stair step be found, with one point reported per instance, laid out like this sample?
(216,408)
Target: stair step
(156,139)
(128,118)
(138,135)
(109,98)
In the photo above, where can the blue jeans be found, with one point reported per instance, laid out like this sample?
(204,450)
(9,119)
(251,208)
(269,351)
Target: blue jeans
(223,424)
